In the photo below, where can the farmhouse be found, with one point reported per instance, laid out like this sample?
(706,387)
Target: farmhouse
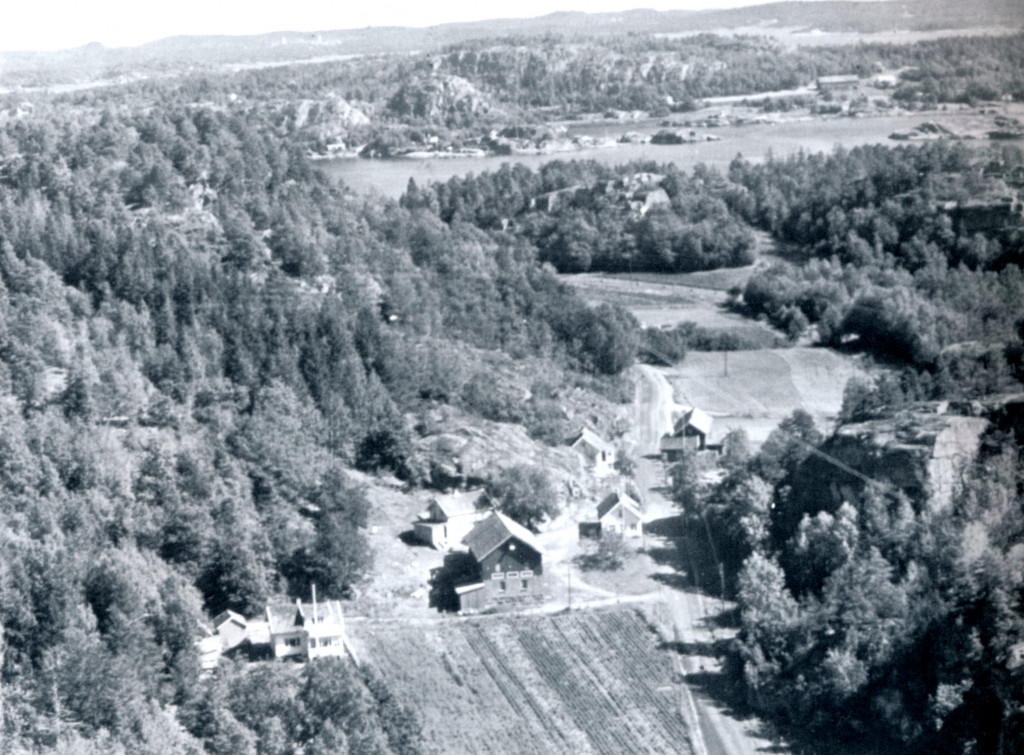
(618,513)
(449,518)
(837,83)
(598,454)
(691,432)
(307,630)
(506,561)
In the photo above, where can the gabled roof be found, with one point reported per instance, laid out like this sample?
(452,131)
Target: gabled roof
(228,616)
(592,439)
(696,418)
(287,617)
(614,499)
(494,531)
(459,503)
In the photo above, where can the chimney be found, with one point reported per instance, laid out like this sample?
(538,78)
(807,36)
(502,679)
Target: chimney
(316,619)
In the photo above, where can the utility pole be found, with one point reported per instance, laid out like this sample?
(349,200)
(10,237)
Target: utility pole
(569,587)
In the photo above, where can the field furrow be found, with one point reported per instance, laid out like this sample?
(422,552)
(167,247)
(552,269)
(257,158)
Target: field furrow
(586,682)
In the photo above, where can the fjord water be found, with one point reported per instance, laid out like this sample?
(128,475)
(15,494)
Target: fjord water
(754,141)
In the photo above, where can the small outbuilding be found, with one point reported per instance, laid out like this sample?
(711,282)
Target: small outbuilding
(232,628)
(597,453)
(449,518)
(619,514)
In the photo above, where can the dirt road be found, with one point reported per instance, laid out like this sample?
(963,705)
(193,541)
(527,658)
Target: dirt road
(719,733)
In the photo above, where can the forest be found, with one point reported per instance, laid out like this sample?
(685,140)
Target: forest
(199,337)
(203,339)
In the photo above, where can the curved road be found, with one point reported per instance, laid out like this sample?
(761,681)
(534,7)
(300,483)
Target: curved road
(716,732)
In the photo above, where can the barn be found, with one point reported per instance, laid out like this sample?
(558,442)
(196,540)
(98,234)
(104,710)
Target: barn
(691,432)
(507,561)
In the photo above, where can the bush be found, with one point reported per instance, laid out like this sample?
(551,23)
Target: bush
(608,555)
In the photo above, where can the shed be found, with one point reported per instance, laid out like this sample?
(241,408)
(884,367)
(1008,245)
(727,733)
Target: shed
(618,513)
(232,629)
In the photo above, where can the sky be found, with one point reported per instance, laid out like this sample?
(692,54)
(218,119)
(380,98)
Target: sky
(58,24)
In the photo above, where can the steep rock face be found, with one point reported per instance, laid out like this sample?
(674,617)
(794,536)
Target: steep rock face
(920,452)
(446,96)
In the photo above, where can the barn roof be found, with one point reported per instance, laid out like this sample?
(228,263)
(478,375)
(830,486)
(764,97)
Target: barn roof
(696,418)
(614,499)
(592,439)
(459,503)
(494,531)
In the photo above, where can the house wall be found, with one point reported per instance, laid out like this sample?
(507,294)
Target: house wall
(326,640)
(622,522)
(289,644)
(431,533)
(231,634)
(695,437)
(446,534)
(474,600)
(505,570)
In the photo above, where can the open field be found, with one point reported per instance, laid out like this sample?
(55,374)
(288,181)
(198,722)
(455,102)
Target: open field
(667,300)
(754,390)
(588,682)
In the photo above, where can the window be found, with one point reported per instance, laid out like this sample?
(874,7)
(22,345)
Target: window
(526,573)
(501,586)
(292,642)
(497,574)
(512,575)
(526,584)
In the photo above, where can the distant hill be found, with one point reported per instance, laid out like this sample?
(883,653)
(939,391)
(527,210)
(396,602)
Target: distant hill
(94,62)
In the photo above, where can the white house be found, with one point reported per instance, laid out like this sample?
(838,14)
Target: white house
(449,518)
(598,454)
(619,514)
(307,630)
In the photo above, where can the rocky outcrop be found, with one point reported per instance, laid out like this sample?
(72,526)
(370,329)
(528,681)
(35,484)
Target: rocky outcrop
(435,97)
(921,452)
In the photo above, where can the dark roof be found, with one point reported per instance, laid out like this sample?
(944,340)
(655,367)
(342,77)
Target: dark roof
(612,500)
(225,616)
(494,531)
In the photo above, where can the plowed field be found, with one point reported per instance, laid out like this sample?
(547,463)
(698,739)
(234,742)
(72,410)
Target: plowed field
(588,682)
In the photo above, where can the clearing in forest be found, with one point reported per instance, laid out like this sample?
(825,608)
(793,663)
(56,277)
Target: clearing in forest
(754,390)
(586,682)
